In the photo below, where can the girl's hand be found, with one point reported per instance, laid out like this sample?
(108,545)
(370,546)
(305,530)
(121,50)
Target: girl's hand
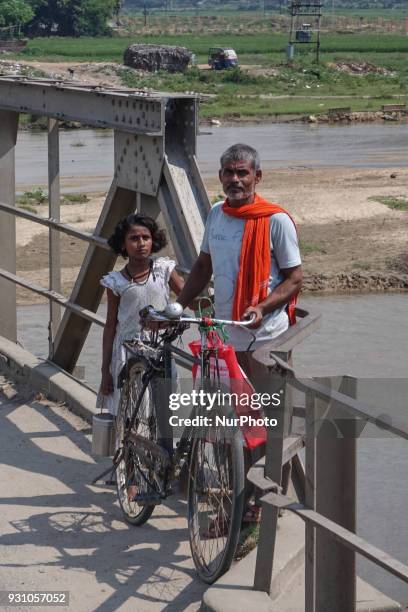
(107,383)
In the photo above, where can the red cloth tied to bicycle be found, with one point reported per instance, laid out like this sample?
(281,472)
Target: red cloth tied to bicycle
(224,367)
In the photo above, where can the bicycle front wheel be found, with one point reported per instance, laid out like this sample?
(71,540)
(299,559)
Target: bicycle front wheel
(215,497)
(133,477)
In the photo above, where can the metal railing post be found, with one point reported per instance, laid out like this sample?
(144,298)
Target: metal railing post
(54,236)
(310,502)
(273,471)
(8,137)
(335,500)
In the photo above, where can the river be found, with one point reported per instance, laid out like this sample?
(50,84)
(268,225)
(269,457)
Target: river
(88,154)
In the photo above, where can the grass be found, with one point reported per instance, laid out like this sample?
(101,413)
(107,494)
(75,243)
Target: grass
(74,198)
(111,48)
(29,199)
(394,202)
(217,198)
(309,248)
(361,265)
(29,208)
(237,93)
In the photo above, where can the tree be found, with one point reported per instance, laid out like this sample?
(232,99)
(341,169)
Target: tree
(15,12)
(71,17)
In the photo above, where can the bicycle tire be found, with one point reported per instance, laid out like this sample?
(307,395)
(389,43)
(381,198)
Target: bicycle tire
(213,555)
(128,468)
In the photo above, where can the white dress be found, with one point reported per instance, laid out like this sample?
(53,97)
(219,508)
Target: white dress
(133,297)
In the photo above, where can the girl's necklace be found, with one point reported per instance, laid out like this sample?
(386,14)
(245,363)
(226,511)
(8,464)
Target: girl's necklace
(133,278)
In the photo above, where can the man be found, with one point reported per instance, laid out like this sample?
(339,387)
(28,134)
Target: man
(251,248)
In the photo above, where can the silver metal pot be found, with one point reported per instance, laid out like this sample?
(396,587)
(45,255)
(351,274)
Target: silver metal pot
(103,434)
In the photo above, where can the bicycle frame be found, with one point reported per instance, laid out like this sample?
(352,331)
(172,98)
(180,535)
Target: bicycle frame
(162,361)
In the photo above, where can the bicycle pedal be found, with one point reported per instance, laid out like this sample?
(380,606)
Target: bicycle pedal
(147,499)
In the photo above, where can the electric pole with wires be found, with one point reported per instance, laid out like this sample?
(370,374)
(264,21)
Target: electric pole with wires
(304,31)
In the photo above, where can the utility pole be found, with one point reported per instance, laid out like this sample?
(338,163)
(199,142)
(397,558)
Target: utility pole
(305,33)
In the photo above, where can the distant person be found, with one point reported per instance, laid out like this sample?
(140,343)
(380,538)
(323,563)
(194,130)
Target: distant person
(251,247)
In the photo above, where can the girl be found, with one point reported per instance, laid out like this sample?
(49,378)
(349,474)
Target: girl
(143,281)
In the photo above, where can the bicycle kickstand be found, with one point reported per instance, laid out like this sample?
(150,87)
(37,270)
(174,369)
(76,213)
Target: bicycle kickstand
(110,481)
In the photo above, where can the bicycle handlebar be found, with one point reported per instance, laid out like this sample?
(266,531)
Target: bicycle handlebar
(149,313)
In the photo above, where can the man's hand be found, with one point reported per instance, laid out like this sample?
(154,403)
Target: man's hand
(253,311)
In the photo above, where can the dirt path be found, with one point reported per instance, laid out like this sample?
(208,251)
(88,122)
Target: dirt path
(347,240)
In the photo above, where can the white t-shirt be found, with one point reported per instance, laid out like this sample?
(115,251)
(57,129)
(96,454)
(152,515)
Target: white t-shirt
(222,241)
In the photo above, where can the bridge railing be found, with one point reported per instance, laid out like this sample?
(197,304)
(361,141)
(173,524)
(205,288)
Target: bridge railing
(155,172)
(328,505)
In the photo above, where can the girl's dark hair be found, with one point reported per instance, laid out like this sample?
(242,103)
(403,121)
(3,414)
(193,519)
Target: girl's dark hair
(118,237)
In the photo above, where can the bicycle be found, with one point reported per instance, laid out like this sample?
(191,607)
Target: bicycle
(213,460)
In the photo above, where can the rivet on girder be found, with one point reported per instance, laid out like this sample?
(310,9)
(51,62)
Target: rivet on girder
(124,150)
(123,118)
(141,148)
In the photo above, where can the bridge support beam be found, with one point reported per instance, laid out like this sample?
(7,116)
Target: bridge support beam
(335,498)
(8,136)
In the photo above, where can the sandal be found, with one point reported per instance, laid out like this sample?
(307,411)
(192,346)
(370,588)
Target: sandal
(131,492)
(217,527)
(252,514)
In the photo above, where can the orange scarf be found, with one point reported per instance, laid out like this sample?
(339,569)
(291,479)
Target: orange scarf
(255,255)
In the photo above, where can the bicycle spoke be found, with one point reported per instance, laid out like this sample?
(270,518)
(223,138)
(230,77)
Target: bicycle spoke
(133,476)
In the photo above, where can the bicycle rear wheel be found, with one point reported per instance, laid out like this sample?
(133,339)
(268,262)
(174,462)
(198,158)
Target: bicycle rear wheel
(132,475)
(215,497)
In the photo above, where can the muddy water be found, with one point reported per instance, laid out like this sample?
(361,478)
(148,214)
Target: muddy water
(364,336)
(88,154)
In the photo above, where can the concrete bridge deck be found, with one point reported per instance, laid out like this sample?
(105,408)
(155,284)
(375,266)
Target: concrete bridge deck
(57,532)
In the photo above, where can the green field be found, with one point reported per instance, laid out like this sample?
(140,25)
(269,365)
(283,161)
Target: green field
(269,45)
(303,86)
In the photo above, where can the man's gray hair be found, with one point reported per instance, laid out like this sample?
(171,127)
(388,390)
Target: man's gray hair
(241,152)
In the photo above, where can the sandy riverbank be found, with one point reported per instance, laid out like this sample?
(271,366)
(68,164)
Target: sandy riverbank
(349,242)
